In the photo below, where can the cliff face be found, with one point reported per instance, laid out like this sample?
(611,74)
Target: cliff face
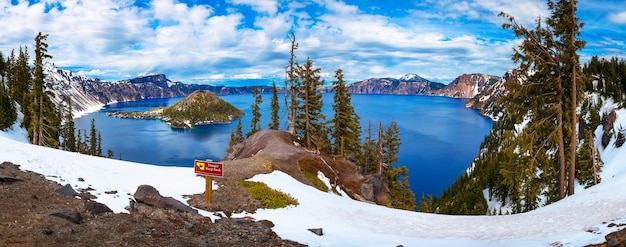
(393,86)
(88,93)
(465,86)
(486,101)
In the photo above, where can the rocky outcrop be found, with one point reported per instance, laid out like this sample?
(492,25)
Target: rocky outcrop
(88,93)
(202,107)
(467,86)
(409,84)
(375,188)
(464,86)
(148,195)
(607,127)
(486,101)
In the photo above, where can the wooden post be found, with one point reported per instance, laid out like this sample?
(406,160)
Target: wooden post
(208,191)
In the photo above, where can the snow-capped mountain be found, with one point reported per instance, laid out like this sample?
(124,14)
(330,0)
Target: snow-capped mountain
(90,94)
(464,86)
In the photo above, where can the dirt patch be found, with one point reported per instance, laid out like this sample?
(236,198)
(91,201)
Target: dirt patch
(32,213)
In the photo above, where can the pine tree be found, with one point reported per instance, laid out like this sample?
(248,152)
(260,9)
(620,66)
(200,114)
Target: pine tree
(255,122)
(99,147)
(291,94)
(8,115)
(93,138)
(426,204)
(239,132)
(368,153)
(542,97)
(346,128)
(43,126)
(68,132)
(275,121)
(310,121)
(391,143)
(566,27)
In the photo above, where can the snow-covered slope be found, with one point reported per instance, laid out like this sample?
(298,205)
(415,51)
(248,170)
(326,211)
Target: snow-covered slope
(575,221)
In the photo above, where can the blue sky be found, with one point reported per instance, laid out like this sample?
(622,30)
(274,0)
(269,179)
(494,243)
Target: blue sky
(218,41)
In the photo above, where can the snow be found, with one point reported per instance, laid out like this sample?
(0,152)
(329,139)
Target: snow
(575,221)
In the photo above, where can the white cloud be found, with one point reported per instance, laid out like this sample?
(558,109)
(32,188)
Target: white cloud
(618,18)
(262,6)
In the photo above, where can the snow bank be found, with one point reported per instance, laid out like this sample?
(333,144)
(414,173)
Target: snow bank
(575,221)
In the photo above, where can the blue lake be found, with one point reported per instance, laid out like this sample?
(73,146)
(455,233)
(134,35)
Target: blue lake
(440,137)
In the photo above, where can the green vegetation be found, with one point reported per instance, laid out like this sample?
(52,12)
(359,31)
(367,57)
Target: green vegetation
(255,123)
(346,126)
(309,168)
(200,107)
(270,198)
(274,124)
(521,163)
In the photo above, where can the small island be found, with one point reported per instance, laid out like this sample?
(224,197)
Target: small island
(201,107)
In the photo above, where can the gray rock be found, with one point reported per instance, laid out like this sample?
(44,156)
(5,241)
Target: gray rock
(97,208)
(67,190)
(70,214)
(148,195)
(317,231)
(6,179)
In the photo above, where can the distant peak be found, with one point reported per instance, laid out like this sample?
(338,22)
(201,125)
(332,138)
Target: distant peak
(411,77)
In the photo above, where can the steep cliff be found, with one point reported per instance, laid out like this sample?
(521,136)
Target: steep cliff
(464,86)
(486,101)
(410,84)
(467,86)
(90,94)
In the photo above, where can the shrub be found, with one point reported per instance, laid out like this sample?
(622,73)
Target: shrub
(270,198)
(309,168)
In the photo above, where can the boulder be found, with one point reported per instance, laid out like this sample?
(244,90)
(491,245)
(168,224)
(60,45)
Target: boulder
(70,214)
(376,189)
(67,190)
(148,195)
(97,208)
(607,126)
(317,231)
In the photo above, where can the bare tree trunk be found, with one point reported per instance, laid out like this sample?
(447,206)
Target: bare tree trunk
(379,164)
(572,166)
(561,151)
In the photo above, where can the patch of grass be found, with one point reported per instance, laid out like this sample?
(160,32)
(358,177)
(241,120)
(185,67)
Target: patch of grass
(309,168)
(267,166)
(317,183)
(270,198)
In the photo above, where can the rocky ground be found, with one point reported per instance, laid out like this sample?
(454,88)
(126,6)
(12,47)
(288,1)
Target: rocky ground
(37,212)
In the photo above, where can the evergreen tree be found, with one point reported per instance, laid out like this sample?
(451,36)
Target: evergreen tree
(99,147)
(346,128)
(391,143)
(68,132)
(566,28)
(19,81)
(93,138)
(255,123)
(368,153)
(310,121)
(291,92)
(43,126)
(8,115)
(426,204)
(275,121)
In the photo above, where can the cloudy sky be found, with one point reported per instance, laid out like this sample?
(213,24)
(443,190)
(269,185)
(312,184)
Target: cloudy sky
(216,41)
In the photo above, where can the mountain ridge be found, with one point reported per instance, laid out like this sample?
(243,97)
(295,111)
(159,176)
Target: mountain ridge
(89,94)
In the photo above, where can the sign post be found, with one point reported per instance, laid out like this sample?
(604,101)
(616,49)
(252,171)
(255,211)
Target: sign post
(208,169)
